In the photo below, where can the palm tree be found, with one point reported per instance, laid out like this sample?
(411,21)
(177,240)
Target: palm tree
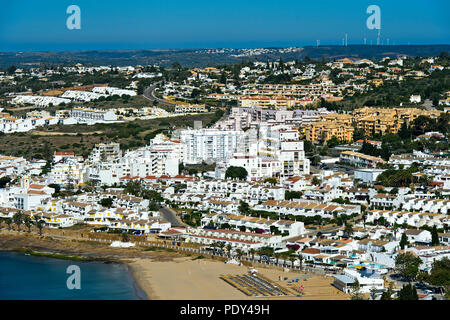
(348,230)
(286,256)
(277,256)
(8,221)
(239,253)
(261,252)
(252,252)
(18,219)
(229,247)
(221,246)
(28,223)
(214,245)
(300,258)
(292,259)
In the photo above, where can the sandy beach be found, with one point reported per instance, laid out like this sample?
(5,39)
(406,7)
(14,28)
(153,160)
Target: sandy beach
(184,278)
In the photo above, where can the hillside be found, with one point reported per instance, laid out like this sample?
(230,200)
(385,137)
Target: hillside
(210,57)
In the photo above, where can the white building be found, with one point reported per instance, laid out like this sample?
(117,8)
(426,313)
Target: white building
(67,172)
(367,175)
(92,115)
(415,99)
(113,91)
(209,144)
(40,101)
(105,151)
(367,280)
(81,96)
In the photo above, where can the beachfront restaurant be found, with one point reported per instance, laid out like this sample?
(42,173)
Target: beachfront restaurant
(343,282)
(368,279)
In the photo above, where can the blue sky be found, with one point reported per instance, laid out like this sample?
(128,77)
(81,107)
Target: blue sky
(141,24)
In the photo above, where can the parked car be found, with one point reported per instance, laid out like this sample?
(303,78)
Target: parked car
(420,285)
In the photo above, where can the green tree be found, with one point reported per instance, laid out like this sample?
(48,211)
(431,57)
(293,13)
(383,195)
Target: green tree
(274,230)
(153,206)
(28,223)
(407,265)
(292,259)
(358,134)
(252,252)
(236,173)
(176,65)
(4,181)
(373,293)
(133,187)
(215,245)
(221,245)
(239,253)
(272,181)
(333,142)
(348,230)
(316,181)
(355,291)
(223,78)
(408,292)
(9,222)
(434,236)
(11,70)
(40,226)
(404,132)
(57,189)
(18,219)
(229,247)
(315,160)
(125,237)
(289,195)
(243,207)
(387,295)
(403,241)
(440,274)
(300,259)
(277,256)
(106,202)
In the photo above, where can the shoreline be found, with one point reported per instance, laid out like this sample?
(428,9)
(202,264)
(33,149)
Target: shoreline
(39,246)
(139,292)
(167,275)
(148,289)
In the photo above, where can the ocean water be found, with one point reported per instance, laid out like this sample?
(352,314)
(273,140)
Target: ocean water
(26,277)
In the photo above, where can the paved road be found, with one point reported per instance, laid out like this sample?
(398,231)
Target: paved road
(170,216)
(149,93)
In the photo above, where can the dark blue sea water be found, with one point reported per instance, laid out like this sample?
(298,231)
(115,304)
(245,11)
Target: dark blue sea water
(25,277)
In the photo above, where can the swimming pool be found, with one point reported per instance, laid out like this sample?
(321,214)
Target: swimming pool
(370,265)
